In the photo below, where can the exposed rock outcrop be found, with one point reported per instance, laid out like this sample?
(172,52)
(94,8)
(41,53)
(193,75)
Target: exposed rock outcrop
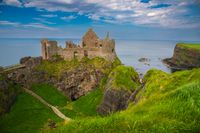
(73,80)
(77,82)
(8,93)
(185,56)
(122,82)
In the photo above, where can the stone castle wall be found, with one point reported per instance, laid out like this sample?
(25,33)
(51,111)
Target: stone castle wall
(91,47)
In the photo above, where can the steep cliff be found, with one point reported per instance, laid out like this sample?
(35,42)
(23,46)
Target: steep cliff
(8,93)
(185,56)
(121,83)
(74,78)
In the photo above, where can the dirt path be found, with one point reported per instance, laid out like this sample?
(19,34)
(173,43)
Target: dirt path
(55,110)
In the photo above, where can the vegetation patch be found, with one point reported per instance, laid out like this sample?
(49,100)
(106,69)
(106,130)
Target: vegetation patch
(123,77)
(85,106)
(172,106)
(27,115)
(190,46)
(50,94)
(56,68)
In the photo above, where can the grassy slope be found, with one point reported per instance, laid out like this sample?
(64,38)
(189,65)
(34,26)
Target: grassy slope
(170,103)
(50,94)
(27,115)
(191,46)
(83,107)
(124,77)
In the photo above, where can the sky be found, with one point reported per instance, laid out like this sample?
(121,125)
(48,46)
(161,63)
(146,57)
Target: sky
(124,19)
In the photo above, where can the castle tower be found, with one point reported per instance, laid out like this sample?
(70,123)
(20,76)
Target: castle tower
(44,43)
(90,39)
(49,48)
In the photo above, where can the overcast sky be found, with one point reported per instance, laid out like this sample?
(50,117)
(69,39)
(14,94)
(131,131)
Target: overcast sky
(124,19)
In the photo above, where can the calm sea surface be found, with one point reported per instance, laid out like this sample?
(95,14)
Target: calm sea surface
(129,51)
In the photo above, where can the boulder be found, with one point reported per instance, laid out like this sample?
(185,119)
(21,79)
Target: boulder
(33,61)
(24,59)
(144,60)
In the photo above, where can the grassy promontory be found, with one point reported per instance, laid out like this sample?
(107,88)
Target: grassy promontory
(186,56)
(168,103)
(190,46)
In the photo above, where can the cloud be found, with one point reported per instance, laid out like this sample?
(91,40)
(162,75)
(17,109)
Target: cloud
(9,23)
(49,15)
(165,13)
(33,25)
(42,20)
(39,25)
(12,3)
(68,18)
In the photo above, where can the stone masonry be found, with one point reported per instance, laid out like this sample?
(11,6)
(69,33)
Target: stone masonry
(90,47)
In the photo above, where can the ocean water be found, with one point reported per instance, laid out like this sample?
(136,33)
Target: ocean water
(129,51)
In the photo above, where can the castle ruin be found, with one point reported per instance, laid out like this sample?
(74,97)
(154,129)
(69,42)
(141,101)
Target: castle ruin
(91,46)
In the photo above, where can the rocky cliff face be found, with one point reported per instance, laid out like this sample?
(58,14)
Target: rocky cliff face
(8,93)
(185,56)
(73,78)
(121,83)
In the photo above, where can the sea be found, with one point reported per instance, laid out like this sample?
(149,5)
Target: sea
(128,51)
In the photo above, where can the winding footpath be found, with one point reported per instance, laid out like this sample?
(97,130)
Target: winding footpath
(55,110)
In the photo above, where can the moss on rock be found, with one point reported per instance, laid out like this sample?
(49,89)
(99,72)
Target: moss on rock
(121,82)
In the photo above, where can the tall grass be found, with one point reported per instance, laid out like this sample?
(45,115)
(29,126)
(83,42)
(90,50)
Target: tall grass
(168,103)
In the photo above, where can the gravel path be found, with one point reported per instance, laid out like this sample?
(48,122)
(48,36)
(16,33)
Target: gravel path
(55,110)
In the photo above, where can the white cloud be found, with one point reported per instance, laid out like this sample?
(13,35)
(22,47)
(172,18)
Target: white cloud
(68,18)
(3,22)
(49,15)
(42,20)
(39,25)
(122,11)
(33,25)
(12,3)
(136,12)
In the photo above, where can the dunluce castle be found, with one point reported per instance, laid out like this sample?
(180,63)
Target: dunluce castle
(91,46)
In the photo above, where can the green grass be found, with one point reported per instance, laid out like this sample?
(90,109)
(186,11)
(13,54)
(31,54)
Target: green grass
(58,67)
(88,104)
(85,106)
(27,115)
(123,77)
(50,94)
(191,46)
(168,103)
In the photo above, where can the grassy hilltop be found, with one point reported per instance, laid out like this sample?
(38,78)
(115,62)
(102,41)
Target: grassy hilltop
(190,46)
(166,103)
(186,56)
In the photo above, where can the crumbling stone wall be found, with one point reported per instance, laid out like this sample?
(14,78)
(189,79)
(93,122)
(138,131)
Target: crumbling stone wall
(91,47)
